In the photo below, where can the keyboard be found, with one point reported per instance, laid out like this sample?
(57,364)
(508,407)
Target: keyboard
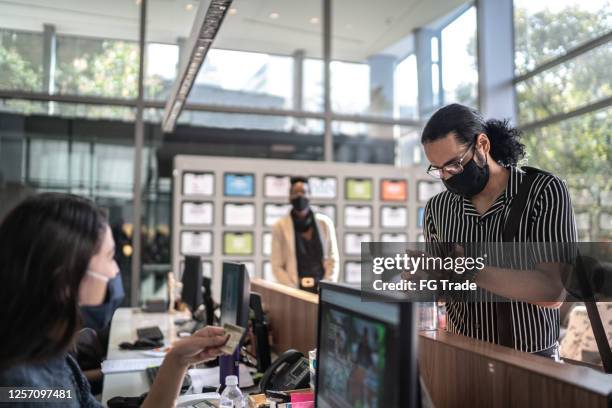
(152,373)
(153,333)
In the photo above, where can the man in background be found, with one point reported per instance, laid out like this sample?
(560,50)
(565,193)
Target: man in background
(304,246)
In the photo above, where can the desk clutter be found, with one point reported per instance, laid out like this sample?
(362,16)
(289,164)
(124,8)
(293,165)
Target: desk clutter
(335,350)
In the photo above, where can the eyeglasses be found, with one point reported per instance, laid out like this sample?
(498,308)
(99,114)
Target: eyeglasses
(452,168)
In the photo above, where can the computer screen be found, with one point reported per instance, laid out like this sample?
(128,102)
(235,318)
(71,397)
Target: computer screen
(192,277)
(235,294)
(365,351)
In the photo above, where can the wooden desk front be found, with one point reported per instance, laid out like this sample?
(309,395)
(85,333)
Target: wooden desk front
(292,315)
(463,372)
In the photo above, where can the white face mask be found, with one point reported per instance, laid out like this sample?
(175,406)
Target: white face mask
(98,276)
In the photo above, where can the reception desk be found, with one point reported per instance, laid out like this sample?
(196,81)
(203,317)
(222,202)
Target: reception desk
(462,372)
(292,315)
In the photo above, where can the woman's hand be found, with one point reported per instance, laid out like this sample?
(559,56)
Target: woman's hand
(205,344)
(202,345)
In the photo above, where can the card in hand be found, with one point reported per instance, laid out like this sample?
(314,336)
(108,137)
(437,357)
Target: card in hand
(235,335)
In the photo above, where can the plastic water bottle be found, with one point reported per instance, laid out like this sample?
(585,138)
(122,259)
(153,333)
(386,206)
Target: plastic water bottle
(231,397)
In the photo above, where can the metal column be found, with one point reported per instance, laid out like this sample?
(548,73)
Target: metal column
(328,145)
(496,59)
(138,144)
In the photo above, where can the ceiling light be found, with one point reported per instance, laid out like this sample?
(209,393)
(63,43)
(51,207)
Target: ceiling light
(274,15)
(206,25)
(233,11)
(314,20)
(189,7)
(138,2)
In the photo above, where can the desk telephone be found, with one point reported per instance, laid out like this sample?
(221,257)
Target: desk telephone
(290,371)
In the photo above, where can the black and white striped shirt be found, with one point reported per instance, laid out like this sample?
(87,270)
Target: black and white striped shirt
(452,218)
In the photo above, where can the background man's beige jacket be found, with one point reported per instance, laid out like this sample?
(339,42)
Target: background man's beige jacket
(283,258)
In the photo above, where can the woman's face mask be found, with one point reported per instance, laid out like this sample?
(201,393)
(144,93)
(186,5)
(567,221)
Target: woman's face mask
(99,316)
(101,290)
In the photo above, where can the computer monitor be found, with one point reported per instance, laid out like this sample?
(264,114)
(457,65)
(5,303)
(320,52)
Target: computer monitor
(366,351)
(192,277)
(235,294)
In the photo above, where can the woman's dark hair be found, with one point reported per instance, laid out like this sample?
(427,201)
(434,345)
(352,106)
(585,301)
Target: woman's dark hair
(46,243)
(466,123)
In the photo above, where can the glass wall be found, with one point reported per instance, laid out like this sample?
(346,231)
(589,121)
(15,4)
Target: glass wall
(567,134)
(459,64)
(21,59)
(544,30)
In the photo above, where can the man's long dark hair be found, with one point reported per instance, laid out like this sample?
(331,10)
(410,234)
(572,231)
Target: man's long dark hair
(46,243)
(466,123)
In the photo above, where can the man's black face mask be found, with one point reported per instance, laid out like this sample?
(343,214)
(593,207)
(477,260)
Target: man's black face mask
(471,181)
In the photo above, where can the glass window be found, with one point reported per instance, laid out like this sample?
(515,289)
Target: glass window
(544,30)
(407,89)
(577,150)
(258,55)
(350,79)
(313,85)
(20,60)
(49,169)
(356,142)
(160,69)
(100,67)
(565,87)
(239,78)
(459,66)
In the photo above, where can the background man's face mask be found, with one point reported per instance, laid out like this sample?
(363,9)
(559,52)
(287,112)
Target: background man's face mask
(300,203)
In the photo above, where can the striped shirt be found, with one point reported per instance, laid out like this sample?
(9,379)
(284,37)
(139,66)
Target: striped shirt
(452,218)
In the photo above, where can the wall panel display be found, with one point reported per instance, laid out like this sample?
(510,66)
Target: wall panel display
(238,185)
(327,209)
(233,203)
(393,237)
(238,243)
(266,247)
(420,217)
(272,213)
(322,187)
(239,214)
(198,184)
(276,186)
(358,216)
(196,243)
(352,272)
(352,242)
(197,213)
(358,189)
(394,190)
(393,217)
(428,189)
(207,269)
